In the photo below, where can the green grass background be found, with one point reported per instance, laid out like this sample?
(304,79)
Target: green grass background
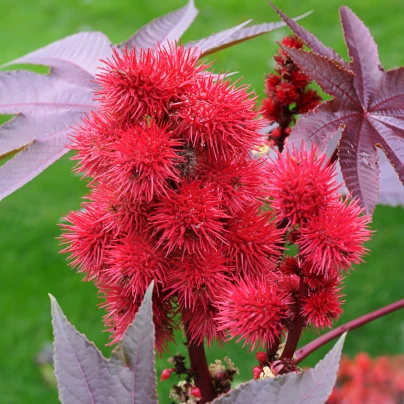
(30,265)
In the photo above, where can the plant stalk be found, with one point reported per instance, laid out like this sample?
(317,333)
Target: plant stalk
(334,156)
(298,324)
(200,368)
(287,119)
(320,341)
(273,348)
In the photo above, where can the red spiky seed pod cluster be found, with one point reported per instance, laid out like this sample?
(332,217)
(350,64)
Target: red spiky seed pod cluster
(287,94)
(174,192)
(255,310)
(328,231)
(176,198)
(329,234)
(301,184)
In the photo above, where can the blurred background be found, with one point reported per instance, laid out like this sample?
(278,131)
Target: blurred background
(30,266)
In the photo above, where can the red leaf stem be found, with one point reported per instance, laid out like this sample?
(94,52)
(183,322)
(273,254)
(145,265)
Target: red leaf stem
(320,341)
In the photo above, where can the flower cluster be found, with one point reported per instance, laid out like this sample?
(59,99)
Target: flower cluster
(174,193)
(328,231)
(176,198)
(185,391)
(271,367)
(222,375)
(287,94)
(303,290)
(364,380)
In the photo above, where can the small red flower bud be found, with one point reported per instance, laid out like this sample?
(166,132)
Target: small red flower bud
(165,374)
(286,93)
(276,133)
(309,101)
(257,371)
(220,375)
(271,82)
(270,109)
(292,41)
(196,392)
(262,357)
(271,143)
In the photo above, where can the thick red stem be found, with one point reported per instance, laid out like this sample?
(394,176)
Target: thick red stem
(334,156)
(298,324)
(320,341)
(284,122)
(273,348)
(202,377)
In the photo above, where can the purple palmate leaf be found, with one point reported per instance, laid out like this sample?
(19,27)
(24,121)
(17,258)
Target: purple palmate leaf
(169,27)
(85,376)
(213,42)
(312,386)
(75,57)
(137,346)
(32,160)
(234,36)
(368,103)
(308,38)
(80,368)
(391,190)
(46,108)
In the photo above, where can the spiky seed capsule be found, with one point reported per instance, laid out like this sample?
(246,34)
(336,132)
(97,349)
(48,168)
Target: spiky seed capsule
(196,392)
(165,374)
(257,370)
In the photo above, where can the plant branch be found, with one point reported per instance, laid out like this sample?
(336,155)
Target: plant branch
(200,369)
(298,324)
(320,341)
(273,348)
(287,119)
(334,156)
